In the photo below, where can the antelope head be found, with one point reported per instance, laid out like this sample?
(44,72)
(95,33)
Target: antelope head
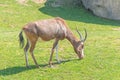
(79,48)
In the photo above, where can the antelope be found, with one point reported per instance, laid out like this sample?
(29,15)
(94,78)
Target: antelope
(48,29)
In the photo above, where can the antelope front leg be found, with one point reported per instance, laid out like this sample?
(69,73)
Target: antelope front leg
(52,51)
(57,58)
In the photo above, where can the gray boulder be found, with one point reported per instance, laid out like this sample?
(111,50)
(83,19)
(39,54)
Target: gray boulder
(67,3)
(104,8)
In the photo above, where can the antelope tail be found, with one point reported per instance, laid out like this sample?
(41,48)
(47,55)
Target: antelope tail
(21,39)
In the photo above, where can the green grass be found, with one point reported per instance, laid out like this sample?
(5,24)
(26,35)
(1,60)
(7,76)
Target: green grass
(102,48)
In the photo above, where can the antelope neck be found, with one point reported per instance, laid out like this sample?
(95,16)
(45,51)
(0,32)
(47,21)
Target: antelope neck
(73,40)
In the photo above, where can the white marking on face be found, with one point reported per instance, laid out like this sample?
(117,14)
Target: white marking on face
(82,54)
(82,51)
(82,42)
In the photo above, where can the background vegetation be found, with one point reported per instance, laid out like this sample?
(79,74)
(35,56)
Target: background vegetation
(102,48)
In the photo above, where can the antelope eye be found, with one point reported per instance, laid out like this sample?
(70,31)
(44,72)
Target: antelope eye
(82,46)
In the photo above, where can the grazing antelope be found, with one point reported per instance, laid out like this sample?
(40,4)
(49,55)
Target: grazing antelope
(49,29)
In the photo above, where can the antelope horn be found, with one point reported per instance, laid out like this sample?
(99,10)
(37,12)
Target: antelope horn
(85,35)
(81,37)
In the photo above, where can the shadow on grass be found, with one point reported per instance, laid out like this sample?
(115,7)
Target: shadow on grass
(14,70)
(76,14)
(18,69)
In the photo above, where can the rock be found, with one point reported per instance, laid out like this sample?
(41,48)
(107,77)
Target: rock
(67,3)
(105,8)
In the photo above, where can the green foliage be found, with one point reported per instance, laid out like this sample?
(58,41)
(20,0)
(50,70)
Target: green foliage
(102,48)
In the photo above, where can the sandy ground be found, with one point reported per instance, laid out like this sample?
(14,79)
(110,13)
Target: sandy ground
(24,2)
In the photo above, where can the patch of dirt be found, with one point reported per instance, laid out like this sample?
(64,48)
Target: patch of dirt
(24,2)
(3,5)
(39,1)
(116,29)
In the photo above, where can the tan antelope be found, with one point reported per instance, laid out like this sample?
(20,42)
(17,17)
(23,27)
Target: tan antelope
(49,29)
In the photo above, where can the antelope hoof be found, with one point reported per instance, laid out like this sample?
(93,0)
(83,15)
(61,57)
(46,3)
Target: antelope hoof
(37,66)
(58,62)
(27,66)
(51,66)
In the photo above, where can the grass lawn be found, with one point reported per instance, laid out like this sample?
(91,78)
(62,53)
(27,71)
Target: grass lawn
(102,47)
